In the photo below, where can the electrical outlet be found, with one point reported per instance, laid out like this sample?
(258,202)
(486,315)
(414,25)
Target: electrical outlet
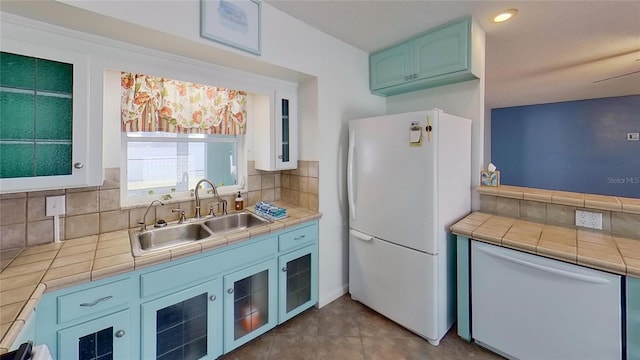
(633,136)
(588,219)
(55,205)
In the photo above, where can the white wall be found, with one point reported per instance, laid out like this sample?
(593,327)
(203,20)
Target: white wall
(333,85)
(333,79)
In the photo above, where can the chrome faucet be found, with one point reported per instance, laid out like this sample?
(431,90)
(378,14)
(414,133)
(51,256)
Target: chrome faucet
(143,223)
(215,193)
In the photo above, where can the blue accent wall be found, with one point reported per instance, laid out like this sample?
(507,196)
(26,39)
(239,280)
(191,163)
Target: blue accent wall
(578,146)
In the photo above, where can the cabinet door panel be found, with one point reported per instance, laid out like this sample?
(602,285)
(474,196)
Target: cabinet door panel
(286,124)
(390,67)
(184,325)
(442,52)
(103,338)
(298,283)
(53,85)
(250,303)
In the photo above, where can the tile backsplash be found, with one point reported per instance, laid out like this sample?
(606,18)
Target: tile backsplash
(94,210)
(615,222)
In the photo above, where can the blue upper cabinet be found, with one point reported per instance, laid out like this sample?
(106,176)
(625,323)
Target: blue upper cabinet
(391,67)
(440,56)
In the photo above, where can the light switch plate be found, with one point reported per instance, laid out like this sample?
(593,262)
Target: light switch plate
(55,205)
(588,219)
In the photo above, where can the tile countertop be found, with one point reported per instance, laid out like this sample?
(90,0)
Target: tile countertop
(592,249)
(26,274)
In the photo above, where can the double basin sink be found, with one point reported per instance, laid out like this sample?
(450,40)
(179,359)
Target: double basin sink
(144,242)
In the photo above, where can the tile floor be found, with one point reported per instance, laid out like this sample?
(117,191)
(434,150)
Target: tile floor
(347,330)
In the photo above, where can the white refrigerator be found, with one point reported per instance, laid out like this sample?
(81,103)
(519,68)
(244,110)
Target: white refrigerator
(408,179)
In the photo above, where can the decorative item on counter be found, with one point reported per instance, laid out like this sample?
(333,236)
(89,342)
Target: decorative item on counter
(239,202)
(270,211)
(490,177)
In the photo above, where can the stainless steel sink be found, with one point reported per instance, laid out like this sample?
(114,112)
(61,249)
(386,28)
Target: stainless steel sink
(167,237)
(157,239)
(233,222)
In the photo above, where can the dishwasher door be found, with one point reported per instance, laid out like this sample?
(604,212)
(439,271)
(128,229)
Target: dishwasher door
(525,306)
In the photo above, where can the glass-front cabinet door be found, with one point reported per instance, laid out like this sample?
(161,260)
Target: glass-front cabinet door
(286,123)
(106,338)
(44,119)
(298,283)
(250,303)
(184,325)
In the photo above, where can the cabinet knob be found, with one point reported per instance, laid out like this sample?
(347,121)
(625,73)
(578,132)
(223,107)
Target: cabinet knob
(78,165)
(120,333)
(284,269)
(230,291)
(212,298)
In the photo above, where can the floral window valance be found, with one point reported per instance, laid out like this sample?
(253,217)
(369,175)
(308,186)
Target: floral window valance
(151,103)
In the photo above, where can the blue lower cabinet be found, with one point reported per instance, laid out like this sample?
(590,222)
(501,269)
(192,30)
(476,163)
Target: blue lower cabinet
(198,307)
(298,282)
(633,318)
(104,338)
(184,325)
(250,304)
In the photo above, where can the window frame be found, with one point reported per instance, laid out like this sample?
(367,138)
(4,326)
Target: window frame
(241,152)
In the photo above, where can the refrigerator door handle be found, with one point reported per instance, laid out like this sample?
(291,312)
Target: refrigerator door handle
(350,190)
(360,236)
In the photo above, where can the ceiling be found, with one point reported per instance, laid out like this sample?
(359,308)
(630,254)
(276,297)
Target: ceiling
(551,51)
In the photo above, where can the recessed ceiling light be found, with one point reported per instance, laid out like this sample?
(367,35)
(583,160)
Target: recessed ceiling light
(504,15)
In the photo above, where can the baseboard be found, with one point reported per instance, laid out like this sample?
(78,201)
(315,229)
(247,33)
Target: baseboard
(328,298)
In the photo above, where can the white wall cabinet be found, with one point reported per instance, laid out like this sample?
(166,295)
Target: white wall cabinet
(276,137)
(54,142)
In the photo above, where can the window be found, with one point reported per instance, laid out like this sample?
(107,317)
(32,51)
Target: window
(171,164)
(176,133)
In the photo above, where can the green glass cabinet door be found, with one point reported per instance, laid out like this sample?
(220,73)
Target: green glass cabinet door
(49,137)
(103,338)
(36,116)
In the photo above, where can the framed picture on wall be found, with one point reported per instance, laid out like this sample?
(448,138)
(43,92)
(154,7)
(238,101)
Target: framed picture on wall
(234,23)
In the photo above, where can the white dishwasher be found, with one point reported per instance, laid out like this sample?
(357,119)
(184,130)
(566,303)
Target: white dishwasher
(525,306)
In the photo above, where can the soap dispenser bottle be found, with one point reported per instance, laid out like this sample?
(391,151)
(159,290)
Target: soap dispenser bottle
(239,202)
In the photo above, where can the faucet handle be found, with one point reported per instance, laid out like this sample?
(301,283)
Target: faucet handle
(224,206)
(183,217)
(211,213)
